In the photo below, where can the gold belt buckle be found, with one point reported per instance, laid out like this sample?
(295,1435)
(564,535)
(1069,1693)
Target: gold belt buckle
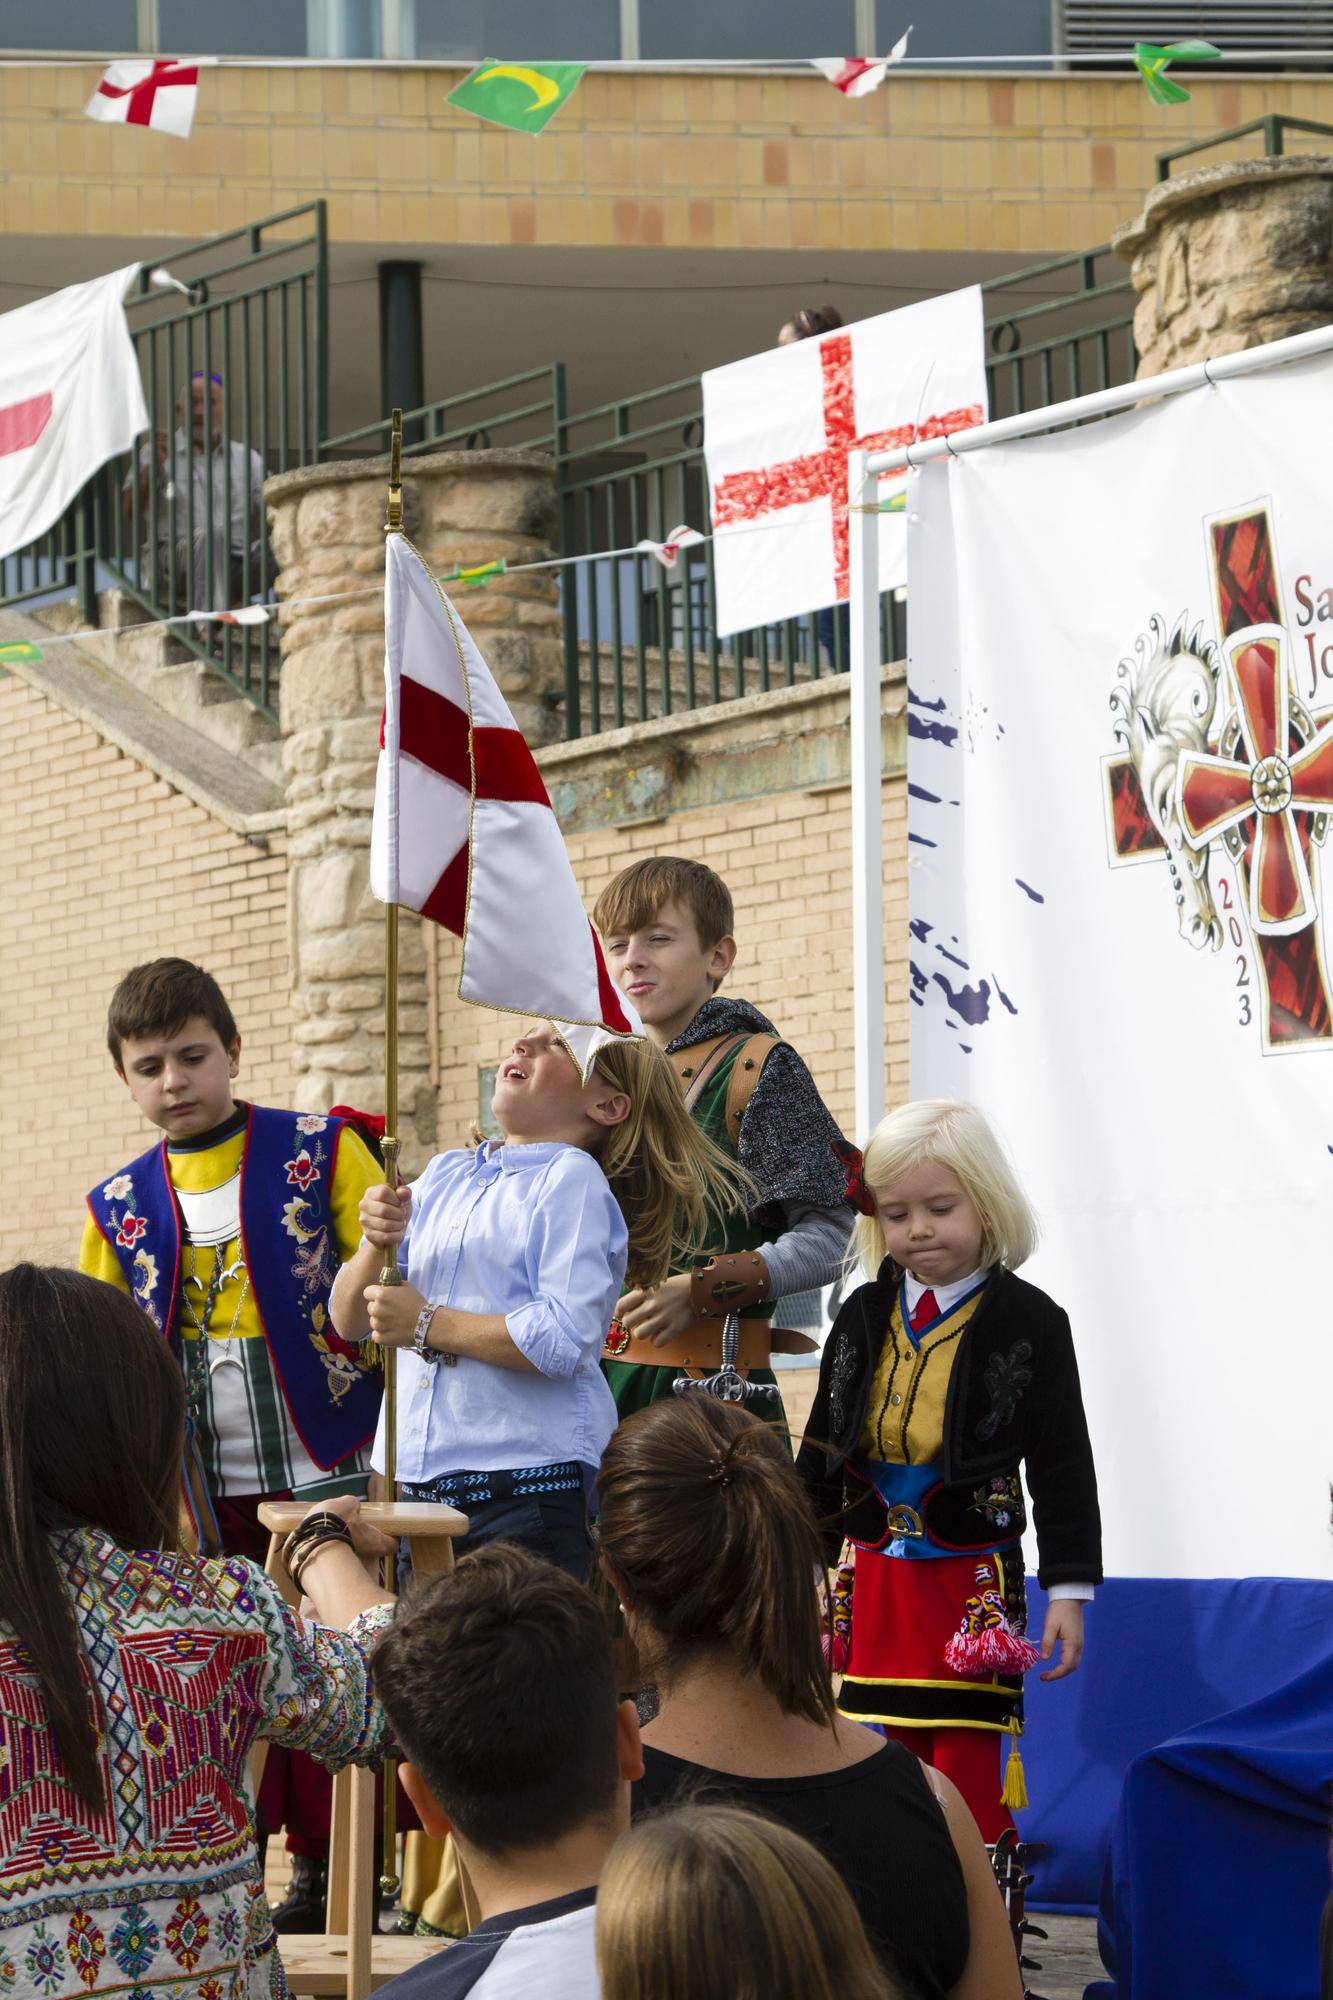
(905,1524)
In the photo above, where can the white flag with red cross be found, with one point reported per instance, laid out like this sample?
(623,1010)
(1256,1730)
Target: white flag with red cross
(70,398)
(154,91)
(463,829)
(857,76)
(777,431)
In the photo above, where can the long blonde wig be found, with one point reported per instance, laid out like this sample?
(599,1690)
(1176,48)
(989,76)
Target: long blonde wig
(668,1177)
(958,1137)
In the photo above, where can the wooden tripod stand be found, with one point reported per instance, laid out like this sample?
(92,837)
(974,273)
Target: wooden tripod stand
(350,1960)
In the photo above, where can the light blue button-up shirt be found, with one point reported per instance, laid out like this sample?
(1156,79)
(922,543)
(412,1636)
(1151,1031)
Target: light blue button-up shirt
(535,1233)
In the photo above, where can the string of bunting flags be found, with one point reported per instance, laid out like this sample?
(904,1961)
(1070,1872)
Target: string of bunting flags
(161,93)
(19,652)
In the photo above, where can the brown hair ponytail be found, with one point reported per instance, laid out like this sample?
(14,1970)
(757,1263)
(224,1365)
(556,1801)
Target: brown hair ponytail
(713,1545)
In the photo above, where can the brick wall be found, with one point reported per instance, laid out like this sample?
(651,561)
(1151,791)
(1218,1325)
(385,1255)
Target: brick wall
(104,865)
(787,861)
(1038,164)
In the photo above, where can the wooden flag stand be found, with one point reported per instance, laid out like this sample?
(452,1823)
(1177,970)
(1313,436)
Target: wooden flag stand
(350,1959)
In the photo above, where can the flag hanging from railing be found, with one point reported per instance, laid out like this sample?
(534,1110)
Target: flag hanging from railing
(777,431)
(70,398)
(463,829)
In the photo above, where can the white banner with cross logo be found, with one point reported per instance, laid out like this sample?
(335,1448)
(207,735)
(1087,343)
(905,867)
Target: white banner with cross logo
(777,431)
(1121,763)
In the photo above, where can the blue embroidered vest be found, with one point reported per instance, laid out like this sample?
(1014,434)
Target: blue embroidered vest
(290,1252)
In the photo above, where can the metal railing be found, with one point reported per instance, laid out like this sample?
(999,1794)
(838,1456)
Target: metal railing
(640,640)
(522,413)
(236,381)
(1273,129)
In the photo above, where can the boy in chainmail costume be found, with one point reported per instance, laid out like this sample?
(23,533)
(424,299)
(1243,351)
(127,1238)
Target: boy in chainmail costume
(666,925)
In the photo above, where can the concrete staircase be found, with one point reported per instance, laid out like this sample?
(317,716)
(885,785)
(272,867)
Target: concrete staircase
(159,666)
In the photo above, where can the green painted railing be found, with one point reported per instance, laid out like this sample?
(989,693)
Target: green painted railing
(157,523)
(1274,132)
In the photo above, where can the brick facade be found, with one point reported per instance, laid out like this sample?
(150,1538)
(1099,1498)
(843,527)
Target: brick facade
(1032,165)
(104,865)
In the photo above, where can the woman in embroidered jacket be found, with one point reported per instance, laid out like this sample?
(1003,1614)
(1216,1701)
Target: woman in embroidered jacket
(134,1679)
(941,1377)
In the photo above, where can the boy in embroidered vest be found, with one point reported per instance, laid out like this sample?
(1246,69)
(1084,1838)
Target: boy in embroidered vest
(229,1233)
(666,927)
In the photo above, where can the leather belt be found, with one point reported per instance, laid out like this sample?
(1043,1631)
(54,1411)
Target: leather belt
(700,1346)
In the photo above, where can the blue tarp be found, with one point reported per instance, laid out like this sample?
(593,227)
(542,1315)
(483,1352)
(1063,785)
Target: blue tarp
(1219,1858)
(1163,1658)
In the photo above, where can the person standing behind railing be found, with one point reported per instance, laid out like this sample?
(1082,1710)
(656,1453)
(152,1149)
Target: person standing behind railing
(209,505)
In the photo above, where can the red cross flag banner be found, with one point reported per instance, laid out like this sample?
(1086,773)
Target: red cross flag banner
(463,829)
(155,92)
(70,398)
(1120,754)
(777,431)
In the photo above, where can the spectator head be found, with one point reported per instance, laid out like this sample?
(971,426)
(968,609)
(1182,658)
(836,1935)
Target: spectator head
(500,1682)
(205,402)
(706,1535)
(808,324)
(690,1896)
(92,1412)
(159,997)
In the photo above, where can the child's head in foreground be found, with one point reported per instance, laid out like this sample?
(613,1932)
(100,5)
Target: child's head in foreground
(947,1201)
(175,1045)
(500,1682)
(723,1904)
(667,928)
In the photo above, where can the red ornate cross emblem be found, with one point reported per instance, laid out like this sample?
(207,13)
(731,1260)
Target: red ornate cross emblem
(1263,785)
(1221,753)
(748,496)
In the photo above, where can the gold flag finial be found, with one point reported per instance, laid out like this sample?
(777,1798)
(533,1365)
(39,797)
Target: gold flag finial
(395,521)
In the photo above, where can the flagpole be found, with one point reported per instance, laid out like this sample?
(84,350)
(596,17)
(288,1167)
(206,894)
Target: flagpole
(867,774)
(389,1273)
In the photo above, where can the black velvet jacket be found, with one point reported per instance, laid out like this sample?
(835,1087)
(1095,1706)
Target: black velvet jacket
(1013,1398)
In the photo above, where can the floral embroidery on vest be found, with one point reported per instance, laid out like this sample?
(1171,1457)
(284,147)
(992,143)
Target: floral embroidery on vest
(313,1268)
(1005,1379)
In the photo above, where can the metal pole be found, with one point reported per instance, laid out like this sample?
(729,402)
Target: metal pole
(867,755)
(1104,402)
(391,1143)
(402,362)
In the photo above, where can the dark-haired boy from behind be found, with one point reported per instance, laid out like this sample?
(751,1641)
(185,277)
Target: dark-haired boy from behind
(499,1680)
(667,926)
(228,1232)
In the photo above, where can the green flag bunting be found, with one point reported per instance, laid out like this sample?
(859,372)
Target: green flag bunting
(522,96)
(19,650)
(1151,62)
(479,574)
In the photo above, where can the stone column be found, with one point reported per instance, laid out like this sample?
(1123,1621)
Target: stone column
(1229,257)
(459,508)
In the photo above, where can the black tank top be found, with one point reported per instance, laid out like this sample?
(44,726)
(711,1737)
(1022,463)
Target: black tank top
(883,1830)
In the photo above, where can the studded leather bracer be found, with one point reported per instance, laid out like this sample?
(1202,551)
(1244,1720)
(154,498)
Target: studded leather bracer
(729,1284)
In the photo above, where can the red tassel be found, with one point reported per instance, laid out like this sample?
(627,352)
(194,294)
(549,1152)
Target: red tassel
(985,1642)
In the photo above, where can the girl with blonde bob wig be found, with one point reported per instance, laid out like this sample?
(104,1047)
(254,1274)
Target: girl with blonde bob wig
(943,1379)
(722,1904)
(955,1136)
